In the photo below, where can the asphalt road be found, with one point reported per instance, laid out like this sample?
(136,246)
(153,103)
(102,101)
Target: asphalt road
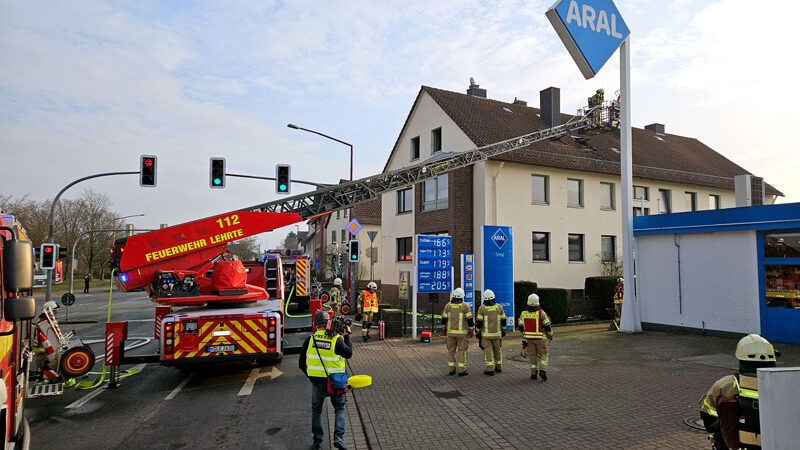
(229,406)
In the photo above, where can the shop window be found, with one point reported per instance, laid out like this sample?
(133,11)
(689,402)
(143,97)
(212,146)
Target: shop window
(782,245)
(782,286)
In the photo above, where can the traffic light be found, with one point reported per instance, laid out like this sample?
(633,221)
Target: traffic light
(147,171)
(354,250)
(283,178)
(62,252)
(48,254)
(217,178)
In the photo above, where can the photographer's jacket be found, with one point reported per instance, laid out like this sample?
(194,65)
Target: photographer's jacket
(332,353)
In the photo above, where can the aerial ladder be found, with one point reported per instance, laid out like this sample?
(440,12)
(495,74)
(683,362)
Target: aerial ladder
(223,317)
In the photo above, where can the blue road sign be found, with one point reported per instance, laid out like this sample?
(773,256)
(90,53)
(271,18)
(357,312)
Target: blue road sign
(434,263)
(497,250)
(592,30)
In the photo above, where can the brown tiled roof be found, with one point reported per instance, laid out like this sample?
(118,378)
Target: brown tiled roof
(369,213)
(666,158)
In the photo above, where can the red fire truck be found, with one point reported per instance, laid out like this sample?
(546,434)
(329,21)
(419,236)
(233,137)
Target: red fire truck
(18,308)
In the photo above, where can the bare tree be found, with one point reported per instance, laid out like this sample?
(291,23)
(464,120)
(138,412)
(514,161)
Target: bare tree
(246,249)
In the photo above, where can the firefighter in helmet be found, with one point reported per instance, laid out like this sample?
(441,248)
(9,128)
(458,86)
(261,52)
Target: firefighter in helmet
(490,329)
(367,305)
(335,300)
(535,327)
(730,407)
(619,290)
(456,323)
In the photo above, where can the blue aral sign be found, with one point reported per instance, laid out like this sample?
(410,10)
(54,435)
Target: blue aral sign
(434,263)
(497,269)
(468,278)
(592,30)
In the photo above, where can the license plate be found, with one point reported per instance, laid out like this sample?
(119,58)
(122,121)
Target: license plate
(220,348)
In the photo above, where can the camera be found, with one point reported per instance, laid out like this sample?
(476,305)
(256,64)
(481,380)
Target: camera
(337,325)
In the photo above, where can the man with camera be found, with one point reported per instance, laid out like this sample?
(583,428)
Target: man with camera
(322,359)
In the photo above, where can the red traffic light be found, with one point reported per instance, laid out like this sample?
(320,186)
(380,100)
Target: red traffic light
(148,162)
(48,249)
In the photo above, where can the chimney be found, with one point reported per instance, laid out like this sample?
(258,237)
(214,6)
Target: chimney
(657,128)
(550,104)
(520,102)
(475,90)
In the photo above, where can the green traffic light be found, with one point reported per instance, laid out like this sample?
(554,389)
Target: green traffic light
(354,256)
(282,187)
(217,181)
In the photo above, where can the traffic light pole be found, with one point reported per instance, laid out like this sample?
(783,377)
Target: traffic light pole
(49,273)
(310,183)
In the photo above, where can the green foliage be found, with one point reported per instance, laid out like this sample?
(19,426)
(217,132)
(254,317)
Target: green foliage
(554,303)
(522,289)
(599,293)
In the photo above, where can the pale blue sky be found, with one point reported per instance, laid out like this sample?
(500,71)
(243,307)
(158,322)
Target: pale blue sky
(87,86)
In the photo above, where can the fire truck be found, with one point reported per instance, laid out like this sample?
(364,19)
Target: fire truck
(18,308)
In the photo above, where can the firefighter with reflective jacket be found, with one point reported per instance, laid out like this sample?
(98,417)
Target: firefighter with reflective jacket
(730,407)
(456,322)
(619,290)
(490,329)
(335,300)
(535,326)
(367,305)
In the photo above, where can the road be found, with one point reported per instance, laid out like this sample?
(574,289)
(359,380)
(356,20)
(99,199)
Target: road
(239,406)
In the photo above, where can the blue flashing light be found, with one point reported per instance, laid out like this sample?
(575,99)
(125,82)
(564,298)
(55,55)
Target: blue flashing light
(123,277)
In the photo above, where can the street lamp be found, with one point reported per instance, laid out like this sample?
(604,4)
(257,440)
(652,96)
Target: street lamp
(352,216)
(114,225)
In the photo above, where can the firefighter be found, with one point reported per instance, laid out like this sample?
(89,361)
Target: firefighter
(456,322)
(367,305)
(323,355)
(490,329)
(335,300)
(86,283)
(619,290)
(729,408)
(535,326)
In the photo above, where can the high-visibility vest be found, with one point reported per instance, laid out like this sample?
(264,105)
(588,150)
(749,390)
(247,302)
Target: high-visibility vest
(370,304)
(618,291)
(749,422)
(457,317)
(491,316)
(532,323)
(327,359)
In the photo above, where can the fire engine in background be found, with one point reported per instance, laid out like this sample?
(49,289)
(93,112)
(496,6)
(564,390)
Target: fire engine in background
(209,309)
(18,308)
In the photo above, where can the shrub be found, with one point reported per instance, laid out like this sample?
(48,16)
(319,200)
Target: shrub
(599,292)
(522,289)
(554,303)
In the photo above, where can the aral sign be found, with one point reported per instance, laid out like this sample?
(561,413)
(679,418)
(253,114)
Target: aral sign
(592,30)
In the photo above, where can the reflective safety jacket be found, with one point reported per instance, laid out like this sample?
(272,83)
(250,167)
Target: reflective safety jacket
(535,324)
(744,389)
(327,359)
(489,319)
(458,317)
(369,301)
(618,291)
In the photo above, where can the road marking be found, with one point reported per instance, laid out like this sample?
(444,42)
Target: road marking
(255,374)
(179,387)
(85,399)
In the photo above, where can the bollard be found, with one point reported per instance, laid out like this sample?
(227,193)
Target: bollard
(116,334)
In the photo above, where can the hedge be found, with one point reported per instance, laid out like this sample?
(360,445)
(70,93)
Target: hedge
(554,303)
(599,292)
(522,289)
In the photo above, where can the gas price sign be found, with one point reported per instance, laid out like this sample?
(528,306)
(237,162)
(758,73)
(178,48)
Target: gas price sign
(434,263)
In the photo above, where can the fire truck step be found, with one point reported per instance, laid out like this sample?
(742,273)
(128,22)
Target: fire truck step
(44,390)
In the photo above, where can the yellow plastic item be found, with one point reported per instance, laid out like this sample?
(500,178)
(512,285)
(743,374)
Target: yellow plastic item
(359,381)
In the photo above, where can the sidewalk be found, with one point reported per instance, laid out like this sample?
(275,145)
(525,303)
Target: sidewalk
(606,390)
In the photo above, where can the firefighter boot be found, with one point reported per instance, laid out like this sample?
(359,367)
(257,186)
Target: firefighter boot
(452,372)
(533,376)
(498,369)
(543,374)
(488,372)
(463,374)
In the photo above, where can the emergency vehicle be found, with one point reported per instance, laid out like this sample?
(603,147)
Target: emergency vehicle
(18,308)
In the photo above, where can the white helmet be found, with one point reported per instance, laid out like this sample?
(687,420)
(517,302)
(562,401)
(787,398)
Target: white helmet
(457,293)
(755,348)
(372,285)
(488,294)
(533,300)
(620,280)
(50,304)
(337,282)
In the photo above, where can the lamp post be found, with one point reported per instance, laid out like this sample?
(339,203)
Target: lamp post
(352,215)
(114,227)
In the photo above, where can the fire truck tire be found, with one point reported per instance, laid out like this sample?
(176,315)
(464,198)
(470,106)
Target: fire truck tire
(345,309)
(324,296)
(77,361)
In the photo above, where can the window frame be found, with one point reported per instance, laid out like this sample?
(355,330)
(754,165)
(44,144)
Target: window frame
(344,236)
(580,193)
(717,201)
(613,247)
(546,189)
(414,145)
(434,133)
(401,201)
(583,248)
(406,242)
(612,196)
(668,208)
(646,192)
(693,196)
(437,203)
(546,246)
(333,237)
(645,212)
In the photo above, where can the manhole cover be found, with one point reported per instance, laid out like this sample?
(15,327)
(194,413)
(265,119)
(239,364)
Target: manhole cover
(695,423)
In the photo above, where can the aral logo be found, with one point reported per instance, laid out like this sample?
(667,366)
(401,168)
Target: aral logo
(499,238)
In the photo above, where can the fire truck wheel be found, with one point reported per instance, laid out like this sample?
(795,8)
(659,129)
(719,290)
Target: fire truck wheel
(77,361)
(345,309)
(324,296)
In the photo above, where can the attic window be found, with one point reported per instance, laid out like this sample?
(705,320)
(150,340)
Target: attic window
(506,109)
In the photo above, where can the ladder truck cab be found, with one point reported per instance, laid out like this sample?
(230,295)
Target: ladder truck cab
(16,330)
(209,309)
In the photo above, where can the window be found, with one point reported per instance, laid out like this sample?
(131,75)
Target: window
(541,246)
(344,236)
(783,245)
(339,214)
(714,202)
(664,201)
(404,201)
(575,242)
(608,248)
(333,236)
(436,140)
(541,189)
(607,196)
(638,211)
(641,192)
(780,286)
(435,193)
(414,148)
(574,192)
(404,250)
(691,201)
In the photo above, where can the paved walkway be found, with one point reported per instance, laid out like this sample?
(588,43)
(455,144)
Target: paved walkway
(606,390)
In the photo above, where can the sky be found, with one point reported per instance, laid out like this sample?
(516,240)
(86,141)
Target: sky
(88,86)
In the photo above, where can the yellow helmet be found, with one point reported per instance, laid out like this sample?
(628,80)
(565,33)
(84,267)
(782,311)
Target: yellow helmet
(755,348)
